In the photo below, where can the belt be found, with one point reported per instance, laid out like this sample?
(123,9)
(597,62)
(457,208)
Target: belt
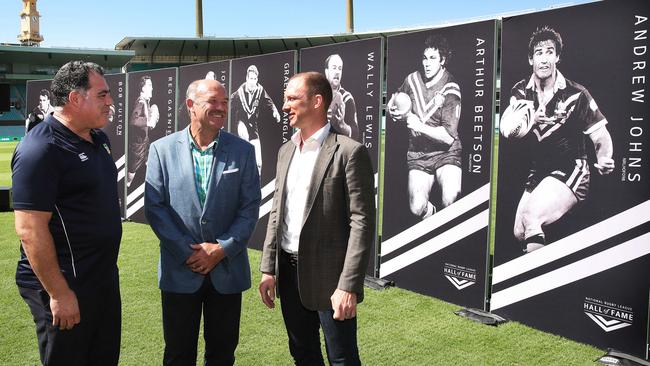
(292,258)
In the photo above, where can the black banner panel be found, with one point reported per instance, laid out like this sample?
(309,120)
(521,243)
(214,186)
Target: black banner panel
(572,247)
(354,72)
(218,70)
(258,85)
(440,92)
(38,101)
(151,112)
(116,130)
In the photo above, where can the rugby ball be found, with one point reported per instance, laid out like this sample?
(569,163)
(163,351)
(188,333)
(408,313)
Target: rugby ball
(517,120)
(402,103)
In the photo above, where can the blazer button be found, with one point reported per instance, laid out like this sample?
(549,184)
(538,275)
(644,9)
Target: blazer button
(204,222)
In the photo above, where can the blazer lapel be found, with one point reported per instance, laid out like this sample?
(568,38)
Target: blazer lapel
(218,166)
(325,155)
(186,164)
(284,159)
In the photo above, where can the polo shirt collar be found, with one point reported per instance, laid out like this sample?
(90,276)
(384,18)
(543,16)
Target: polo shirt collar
(59,126)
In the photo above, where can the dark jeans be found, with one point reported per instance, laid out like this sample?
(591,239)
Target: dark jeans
(303,324)
(94,341)
(182,318)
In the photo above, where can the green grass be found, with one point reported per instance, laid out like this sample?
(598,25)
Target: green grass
(6,150)
(396,327)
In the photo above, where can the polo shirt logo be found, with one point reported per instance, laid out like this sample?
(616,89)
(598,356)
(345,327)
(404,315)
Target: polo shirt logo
(83,157)
(107,148)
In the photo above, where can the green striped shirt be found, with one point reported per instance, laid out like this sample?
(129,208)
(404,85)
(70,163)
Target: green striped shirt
(202,166)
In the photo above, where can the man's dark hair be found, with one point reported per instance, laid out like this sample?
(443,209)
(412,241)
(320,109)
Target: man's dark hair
(72,76)
(45,93)
(543,34)
(143,81)
(439,43)
(317,83)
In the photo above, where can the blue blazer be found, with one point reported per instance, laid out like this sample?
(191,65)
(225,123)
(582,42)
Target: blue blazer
(229,215)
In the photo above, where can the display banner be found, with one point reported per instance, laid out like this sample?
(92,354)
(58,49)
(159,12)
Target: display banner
(354,72)
(38,101)
(572,246)
(440,92)
(116,130)
(218,70)
(151,112)
(258,84)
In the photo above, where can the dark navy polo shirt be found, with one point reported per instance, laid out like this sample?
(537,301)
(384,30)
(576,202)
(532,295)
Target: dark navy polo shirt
(55,170)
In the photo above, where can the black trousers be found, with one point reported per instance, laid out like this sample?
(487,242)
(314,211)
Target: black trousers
(303,324)
(94,341)
(182,318)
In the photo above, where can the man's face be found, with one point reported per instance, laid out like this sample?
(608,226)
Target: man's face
(298,104)
(251,80)
(147,89)
(334,71)
(43,102)
(95,103)
(544,60)
(431,62)
(209,110)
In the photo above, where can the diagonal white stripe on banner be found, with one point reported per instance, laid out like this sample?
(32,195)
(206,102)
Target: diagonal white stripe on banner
(594,234)
(435,244)
(265,208)
(120,162)
(620,254)
(120,174)
(268,189)
(440,218)
(135,194)
(134,207)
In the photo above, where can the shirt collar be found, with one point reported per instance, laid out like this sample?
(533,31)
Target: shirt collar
(193,144)
(58,125)
(560,82)
(318,137)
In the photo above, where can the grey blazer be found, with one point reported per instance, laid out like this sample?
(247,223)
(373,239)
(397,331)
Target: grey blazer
(338,226)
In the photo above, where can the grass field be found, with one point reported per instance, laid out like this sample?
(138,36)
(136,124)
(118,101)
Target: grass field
(6,150)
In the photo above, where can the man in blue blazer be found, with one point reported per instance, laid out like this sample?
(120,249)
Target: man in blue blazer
(202,199)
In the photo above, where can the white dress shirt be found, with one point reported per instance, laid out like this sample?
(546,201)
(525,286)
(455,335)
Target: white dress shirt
(297,185)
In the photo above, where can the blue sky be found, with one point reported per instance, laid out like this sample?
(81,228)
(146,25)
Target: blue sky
(102,24)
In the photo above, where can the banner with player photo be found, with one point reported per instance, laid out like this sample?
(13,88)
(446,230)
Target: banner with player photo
(572,247)
(218,70)
(257,94)
(354,72)
(151,113)
(38,102)
(116,130)
(440,92)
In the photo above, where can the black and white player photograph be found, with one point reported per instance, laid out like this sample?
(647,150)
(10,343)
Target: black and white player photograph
(556,116)
(354,71)
(216,70)
(255,114)
(251,105)
(39,102)
(152,115)
(439,111)
(572,216)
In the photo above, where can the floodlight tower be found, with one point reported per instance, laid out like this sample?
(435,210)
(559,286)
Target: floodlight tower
(30,24)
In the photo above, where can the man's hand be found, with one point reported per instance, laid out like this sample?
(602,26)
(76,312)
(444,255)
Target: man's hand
(415,124)
(344,304)
(276,115)
(267,290)
(605,165)
(65,310)
(205,257)
(394,112)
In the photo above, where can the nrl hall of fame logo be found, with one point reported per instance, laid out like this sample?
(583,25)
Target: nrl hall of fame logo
(609,316)
(459,276)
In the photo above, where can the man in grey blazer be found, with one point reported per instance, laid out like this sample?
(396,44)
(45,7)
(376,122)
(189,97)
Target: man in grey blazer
(320,229)
(202,199)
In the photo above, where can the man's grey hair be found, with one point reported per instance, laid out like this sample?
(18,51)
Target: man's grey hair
(72,76)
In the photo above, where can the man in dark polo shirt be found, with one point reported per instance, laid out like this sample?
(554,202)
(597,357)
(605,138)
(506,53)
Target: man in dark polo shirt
(68,221)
